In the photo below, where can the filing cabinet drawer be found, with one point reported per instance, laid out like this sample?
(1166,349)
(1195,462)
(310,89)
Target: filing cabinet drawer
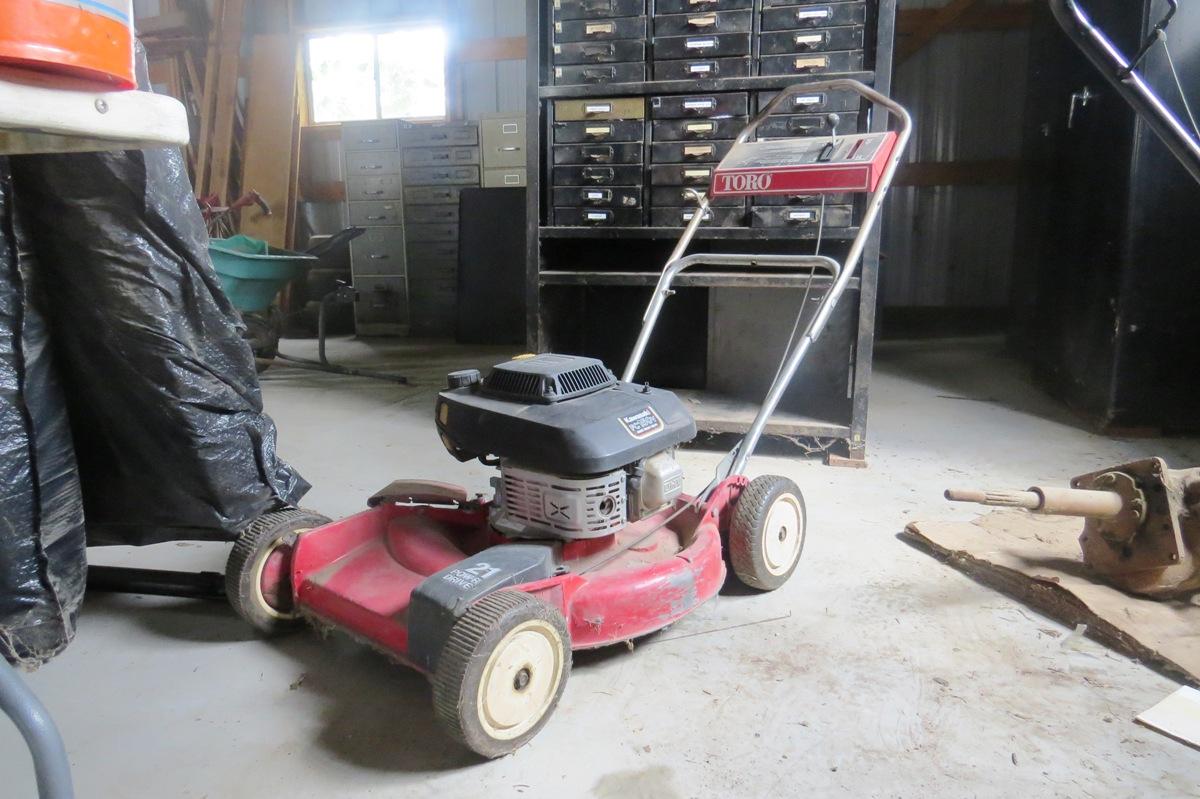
(696,129)
(369,136)
(503,142)
(381,188)
(702,68)
(378,251)
(602,73)
(600,52)
(598,131)
(813,15)
(432,175)
(692,6)
(594,9)
(802,199)
(681,174)
(784,216)
(440,232)
(366,214)
(431,214)
(382,305)
(815,64)
(598,217)
(439,156)
(600,197)
(685,196)
(814,40)
(619,175)
(599,108)
(592,30)
(433,250)
(813,102)
(440,136)
(702,22)
(627,153)
(498,178)
(669,152)
(702,45)
(713,217)
(699,105)
(425,195)
(780,127)
(370,163)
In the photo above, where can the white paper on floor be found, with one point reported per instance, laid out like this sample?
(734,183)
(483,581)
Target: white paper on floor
(1177,716)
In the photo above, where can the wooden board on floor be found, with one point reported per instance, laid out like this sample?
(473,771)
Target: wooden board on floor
(270,136)
(1036,560)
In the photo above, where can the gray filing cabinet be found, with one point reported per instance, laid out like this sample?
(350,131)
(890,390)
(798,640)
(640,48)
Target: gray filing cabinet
(503,144)
(372,160)
(438,161)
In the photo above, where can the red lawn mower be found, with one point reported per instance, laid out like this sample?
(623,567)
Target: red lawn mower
(589,539)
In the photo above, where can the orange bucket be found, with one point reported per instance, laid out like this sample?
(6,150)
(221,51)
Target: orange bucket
(90,39)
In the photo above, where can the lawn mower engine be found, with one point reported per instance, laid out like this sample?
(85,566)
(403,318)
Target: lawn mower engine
(581,454)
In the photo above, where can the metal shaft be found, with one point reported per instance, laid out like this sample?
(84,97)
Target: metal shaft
(50,761)
(1048,500)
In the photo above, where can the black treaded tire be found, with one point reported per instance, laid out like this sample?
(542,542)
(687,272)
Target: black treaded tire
(757,562)
(491,643)
(243,570)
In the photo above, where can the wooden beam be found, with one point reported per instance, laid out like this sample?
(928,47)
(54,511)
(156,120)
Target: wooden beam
(232,25)
(941,20)
(207,98)
(270,122)
(995,172)
(984,17)
(507,48)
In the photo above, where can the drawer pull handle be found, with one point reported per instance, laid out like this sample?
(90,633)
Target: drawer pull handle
(379,218)
(809,41)
(597,108)
(598,131)
(375,256)
(375,193)
(697,175)
(700,127)
(599,75)
(602,155)
(598,51)
(809,64)
(368,141)
(598,28)
(597,195)
(702,21)
(813,16)
(705,104)
(371,166)
(701,2)
(511,148)
(702,68)
(697,151)
(706,43)
(597,6)
(598,174)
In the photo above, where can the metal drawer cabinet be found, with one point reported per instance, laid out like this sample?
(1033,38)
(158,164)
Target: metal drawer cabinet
(503,142)
(431,214)
(598,217)
(425,195)
(443,232)
(848,37)
(592,30)
(625,153)
(435,251)
(681,174)
(372,162)
(812,15)
(600,52)
(619,175)
(700,105)
(382,305)
(607,197)
(381,188)
(438,156)
(369,136)
(696,129)
(782,127)
(802,199)
(702,69)
(684,196)
(692,6)
(599,108)
(599,74)
(817,64)
(598,131)
(595,9)
(671,152)
(835,216)
(813,103)
(364,214)
(378,251)
(466,135)
(701,45)
(740,21)
(432,175)
(713,217)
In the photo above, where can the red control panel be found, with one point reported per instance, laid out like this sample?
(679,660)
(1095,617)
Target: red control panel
(816,165)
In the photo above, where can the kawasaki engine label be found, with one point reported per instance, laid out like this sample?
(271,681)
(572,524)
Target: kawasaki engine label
(642,424)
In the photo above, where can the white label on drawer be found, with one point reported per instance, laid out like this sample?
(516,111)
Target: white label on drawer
(702,21)
(701,68)
(807,99)
(598,130)
(700,127)
(816,13)
(592,194)
(597,108)
(512,180)
(809,38)
(509,127)
(815,62)
(700,44)
(597,216)
(687,215)
(801,216)
(706,104)
(698,150)
(697,174)
(597,28)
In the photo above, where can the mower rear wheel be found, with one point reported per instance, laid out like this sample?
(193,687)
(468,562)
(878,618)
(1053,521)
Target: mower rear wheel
(766,536)
(502,672)
(257,583)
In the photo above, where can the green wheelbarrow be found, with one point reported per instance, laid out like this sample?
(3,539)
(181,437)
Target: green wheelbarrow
(253,273)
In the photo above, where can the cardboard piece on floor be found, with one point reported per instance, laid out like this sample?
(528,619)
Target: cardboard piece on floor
(1036,559)
(1177,716)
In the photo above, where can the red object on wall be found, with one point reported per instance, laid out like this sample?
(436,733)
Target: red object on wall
(815,165)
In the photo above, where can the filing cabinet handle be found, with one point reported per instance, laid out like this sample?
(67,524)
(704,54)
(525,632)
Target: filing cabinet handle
(599,50)
(509,148)
(598,174)
(439,157)
(707,43)
(810,41)
(809,64)
(379,218)
(375,193)
(598,28)
(695,151)
(597,74)
(604,195)
(702,68)
(812,16)
(376,256)
(601,155)
(801,129)
(701,2)
(368,141)
(597,6)
(370,166)
(598,130)
(697,128)
(702,21)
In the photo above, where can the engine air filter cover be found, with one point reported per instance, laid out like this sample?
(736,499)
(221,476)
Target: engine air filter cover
(547,378)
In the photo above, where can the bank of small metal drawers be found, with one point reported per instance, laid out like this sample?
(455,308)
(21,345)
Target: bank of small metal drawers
(438,161)
(599,41)
(597,157)
(372,161)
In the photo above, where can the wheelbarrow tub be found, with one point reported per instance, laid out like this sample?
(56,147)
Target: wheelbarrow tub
(252,272)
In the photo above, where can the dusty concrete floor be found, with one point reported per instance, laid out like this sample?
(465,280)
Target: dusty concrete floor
(874,672)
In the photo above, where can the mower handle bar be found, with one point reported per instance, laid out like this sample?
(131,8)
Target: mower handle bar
(842,274)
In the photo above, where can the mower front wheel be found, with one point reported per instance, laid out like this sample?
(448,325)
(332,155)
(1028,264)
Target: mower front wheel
(502,672)
(257,580)
(766,536)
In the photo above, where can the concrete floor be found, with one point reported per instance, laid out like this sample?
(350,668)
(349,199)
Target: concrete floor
(875,672)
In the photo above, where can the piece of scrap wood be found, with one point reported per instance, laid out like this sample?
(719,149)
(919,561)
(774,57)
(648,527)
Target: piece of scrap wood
(1177,716)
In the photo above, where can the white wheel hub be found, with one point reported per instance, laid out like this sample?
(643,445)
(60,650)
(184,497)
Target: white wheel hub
(520,679)
(256,572)
(783,534)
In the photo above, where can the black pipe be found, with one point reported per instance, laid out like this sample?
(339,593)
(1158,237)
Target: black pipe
(156,582)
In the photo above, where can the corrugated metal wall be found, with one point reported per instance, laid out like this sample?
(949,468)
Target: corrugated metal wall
(489,86)
(952,246)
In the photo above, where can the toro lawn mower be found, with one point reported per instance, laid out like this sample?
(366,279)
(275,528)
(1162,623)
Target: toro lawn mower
(589,539)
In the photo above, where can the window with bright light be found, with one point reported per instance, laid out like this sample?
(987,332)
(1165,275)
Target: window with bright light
(397,73)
